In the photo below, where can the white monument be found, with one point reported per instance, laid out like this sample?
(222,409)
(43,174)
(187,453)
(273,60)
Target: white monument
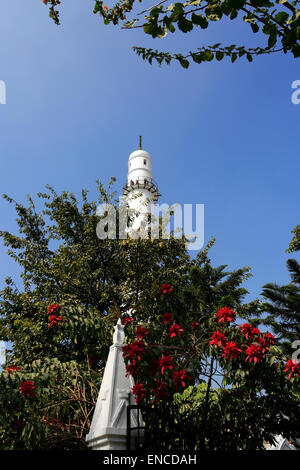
(108,429)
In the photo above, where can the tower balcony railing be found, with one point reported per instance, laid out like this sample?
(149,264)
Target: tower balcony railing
(141,182)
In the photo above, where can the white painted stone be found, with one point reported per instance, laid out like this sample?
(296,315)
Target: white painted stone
(281,444)
(108,429)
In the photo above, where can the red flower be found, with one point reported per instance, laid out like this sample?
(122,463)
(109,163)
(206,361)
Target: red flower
(293,368)
(53,309)
(165,362)
(27,389)
(141,332)
(194,325)
(218,338)
(263,344)
(166,289)
(138,391)
(159,392)
(180,377)
(254,353)
(269,339)
(249,331)
(166,318)
(54,320)
(175,330)
(11,369)
(133,351)
(131,370)
(231,350)
(225,314)
(128,320)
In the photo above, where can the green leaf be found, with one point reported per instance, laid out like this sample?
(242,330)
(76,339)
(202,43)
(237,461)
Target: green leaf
(233,14)
(296,51)
(197,58)
(184,25)
(219,55)
(272,360)
(237,4)
(208,56)
(255,27)
(282,16)
(199,20)
(272,40)
(184,63)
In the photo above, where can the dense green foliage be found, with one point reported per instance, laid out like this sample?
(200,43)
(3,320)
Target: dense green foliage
(278,20)
(283,303)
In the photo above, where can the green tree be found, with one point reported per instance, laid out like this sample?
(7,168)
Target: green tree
(279,21)
(89,283)
(295,242)
(283,302)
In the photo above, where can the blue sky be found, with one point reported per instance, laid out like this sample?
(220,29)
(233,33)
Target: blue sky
(222,134)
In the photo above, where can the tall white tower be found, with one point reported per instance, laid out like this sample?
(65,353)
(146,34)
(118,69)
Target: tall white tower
(140,190)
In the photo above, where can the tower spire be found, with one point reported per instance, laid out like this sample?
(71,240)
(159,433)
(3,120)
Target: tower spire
(140,143)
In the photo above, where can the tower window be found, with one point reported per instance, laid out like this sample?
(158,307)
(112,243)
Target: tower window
(145,162)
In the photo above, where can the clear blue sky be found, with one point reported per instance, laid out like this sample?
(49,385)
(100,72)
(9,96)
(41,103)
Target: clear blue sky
(222,134)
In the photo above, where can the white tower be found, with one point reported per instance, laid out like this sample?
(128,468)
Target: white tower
(140,190)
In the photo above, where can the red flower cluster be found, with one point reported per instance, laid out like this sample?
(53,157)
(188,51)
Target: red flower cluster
(194,325)
(166,289)
(231,350)
(54,318)
(128,320)
(11,369)
(175,330)
(292,368)
(134,351)
(138,391)
(53,309)
(180,377)
(27,388)
(218,338)
(225,315)
(249,331)
(141,332)
(165,362)
(269,339)
(255,353)
(167,318)
(256,344)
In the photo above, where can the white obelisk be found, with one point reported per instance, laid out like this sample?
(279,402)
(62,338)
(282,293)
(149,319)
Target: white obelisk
(108,429)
